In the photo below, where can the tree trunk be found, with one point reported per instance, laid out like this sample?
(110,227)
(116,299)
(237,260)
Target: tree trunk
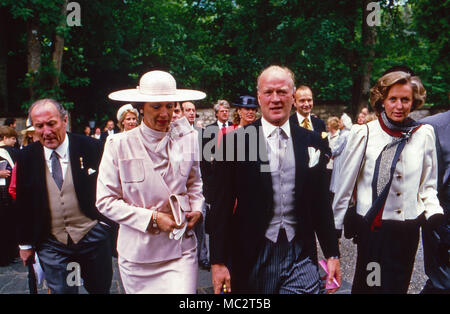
(3,62)
(353,57)
(58,46)
(34,52)
(369,39)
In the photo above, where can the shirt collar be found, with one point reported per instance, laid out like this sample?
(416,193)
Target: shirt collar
(268,128)
(61,150)
(301,118)
(220,124)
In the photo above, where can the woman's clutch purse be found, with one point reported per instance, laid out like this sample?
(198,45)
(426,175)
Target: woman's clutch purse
(179,204)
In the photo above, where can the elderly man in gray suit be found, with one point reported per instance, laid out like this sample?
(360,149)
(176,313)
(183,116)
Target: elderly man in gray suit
(436,242)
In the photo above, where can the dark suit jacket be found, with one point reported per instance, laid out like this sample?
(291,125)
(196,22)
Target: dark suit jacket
(240,235)
(319,127)
(207,164)
(32,196)
(441,126)
(318,124)
(105,134)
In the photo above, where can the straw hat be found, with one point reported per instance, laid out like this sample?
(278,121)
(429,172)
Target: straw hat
(157,86)
(29,129)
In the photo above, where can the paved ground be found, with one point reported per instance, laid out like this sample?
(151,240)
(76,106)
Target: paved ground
(13,279)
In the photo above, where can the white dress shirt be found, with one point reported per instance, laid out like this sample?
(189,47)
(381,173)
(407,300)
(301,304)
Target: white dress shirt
(222,125)
(301,118)
(413,188)
(63,154)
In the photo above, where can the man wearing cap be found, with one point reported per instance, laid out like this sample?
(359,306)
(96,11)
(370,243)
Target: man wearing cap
(56,186)
(269,239)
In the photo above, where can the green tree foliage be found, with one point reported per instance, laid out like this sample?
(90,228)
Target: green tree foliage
(221,46)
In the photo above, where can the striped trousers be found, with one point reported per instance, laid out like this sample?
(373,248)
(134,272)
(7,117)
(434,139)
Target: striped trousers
(281,268)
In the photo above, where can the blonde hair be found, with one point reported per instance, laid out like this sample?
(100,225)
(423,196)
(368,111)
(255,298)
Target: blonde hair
(370,117)
(380,91)
(124,114)
(333,122)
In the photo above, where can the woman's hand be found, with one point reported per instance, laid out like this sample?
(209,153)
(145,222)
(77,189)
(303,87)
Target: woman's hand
(5,173)
(193,218)
(165,222)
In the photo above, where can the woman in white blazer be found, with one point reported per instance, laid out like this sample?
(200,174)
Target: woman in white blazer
(395,189)
(149,182)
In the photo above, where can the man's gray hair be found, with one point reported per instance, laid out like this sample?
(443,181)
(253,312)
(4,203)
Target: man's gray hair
(58,106)
(278,68)
(221,103)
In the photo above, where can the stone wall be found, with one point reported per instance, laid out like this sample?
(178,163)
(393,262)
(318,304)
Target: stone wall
(207,116)
(322,111)
(21,125)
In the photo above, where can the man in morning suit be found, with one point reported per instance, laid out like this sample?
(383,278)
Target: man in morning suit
(189,111)
(304,103)
(209,145)
(436,242)
(110,129)
(56,190)
(269,240)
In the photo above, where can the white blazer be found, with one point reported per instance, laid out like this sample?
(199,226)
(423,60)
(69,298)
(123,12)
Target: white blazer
(413,189)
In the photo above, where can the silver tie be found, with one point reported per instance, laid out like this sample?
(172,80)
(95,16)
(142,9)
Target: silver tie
(56,170)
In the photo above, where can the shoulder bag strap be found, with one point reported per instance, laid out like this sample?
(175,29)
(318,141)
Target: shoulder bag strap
(353,197)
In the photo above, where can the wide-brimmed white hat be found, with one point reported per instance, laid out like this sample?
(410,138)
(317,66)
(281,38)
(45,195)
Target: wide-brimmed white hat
(29,129)
(126,108)
(157,86)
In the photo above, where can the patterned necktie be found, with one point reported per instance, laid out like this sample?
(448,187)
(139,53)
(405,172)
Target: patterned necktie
(56,169)
(306,124)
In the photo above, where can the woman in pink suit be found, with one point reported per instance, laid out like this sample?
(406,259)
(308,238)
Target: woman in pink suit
(149,182)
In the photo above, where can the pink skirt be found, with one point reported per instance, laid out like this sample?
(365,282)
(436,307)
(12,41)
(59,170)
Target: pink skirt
(177,276)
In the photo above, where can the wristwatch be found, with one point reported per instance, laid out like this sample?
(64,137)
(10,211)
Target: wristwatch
(154,221)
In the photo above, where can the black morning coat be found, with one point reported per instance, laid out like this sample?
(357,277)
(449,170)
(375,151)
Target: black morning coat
(236,238)
(33,211)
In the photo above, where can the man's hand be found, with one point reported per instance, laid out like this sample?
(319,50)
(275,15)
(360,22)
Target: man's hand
(334,271)
(193,218)
(27,256)
(220,278)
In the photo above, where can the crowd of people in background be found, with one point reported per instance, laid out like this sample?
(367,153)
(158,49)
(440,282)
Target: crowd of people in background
(140,193)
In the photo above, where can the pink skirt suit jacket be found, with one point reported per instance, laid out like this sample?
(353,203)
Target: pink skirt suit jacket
(139,170)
